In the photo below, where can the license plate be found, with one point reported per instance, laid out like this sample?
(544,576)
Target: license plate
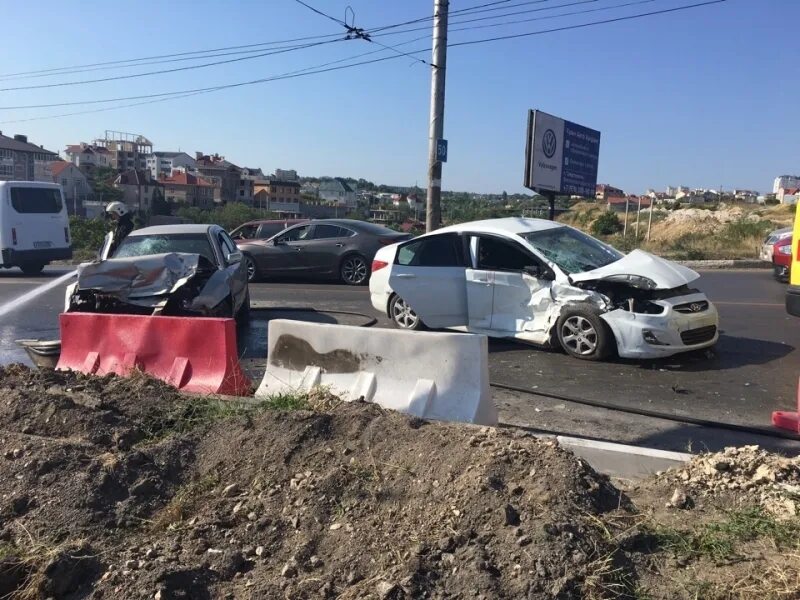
(42,244)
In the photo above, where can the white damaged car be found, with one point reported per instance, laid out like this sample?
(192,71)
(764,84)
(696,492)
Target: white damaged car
(545,283)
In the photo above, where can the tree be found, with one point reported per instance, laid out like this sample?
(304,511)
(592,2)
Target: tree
(606,224)
(160,206)
(103,185)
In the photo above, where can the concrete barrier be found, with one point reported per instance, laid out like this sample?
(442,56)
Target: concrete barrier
(441,376)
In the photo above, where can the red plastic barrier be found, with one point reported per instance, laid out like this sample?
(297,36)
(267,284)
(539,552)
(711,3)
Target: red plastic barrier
(193,354)
(788,419)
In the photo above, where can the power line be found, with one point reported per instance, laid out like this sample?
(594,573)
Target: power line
(175,70)
(319,12)
(316,70)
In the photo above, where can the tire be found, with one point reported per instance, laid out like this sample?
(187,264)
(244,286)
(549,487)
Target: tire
(252,270)
(243,316)
(354,270)
(584,335)
(32,268)
(403,316)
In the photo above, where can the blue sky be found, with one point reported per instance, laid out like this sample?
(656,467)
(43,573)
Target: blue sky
(703,97)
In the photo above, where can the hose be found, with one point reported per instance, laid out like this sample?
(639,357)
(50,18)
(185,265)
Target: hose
(651,413)
(369,320)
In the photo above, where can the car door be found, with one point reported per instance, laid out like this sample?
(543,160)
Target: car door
(517,296)
(283,255)
(323,251)
(428,274)
(233,265)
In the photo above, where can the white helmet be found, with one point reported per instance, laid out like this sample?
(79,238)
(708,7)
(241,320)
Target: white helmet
(118,208)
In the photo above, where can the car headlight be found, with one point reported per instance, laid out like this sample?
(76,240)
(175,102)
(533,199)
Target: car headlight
(636,281)
(785,249)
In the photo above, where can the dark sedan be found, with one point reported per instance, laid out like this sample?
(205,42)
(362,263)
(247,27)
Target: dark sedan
(329,248)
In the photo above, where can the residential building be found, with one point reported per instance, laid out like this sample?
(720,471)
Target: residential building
(286,175)
(88,157)
(788,195)
(785,182)
(603,192)
(126,150)
(673,191)
(225,176)
(254,173)
(137,188)
(748,196)
(274,191)
(164,162)
(246,190)
(186,188)
(23,161)
(77,189)
(339,191)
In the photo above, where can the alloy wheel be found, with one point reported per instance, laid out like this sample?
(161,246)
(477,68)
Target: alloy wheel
(403,315)
(579,335)
(354,270)
(251,268)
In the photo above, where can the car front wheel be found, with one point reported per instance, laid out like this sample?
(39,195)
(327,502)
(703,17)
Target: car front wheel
(583,334)
(403,316)
(250,267)
(354,270)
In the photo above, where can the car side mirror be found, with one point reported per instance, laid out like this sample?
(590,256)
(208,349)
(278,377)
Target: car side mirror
(233,257)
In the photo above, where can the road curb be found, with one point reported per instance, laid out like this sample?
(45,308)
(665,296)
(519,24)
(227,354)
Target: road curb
(622,460)
(725,264)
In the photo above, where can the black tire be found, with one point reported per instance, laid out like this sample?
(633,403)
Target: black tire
(354,270)
(584,335)
(243,316)
(32,268)
(403,316)
(250,267)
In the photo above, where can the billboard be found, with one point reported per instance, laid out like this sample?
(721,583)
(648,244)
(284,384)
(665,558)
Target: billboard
(560,156)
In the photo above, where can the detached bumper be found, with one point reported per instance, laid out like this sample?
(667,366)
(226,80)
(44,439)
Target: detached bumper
(793,300)
(16,258)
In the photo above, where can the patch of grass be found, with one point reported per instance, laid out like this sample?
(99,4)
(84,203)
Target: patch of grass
(185,500)
(721,540)
(286,402)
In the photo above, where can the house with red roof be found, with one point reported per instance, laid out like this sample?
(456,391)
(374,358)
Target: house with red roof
(189,189)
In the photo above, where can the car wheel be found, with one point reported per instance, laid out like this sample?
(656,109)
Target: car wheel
(32,268)
(403,316)
(583,334)
(354,270)
(250,266)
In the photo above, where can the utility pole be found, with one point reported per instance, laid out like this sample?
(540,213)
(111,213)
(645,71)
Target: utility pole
(436,132)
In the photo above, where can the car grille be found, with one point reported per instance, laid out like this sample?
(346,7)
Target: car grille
(692,307)
(699,335)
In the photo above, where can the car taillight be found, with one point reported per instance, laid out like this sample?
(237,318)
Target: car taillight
(66,234)
(377,265)
(14,235)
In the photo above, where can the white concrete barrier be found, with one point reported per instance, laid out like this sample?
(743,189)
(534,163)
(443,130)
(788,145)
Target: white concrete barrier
(442,376)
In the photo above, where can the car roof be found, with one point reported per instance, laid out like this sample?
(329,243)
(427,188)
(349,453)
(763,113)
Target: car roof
(274,222)
(506,225)
(171,229)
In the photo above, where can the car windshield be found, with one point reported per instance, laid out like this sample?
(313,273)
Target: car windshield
(144,245)
(571,250)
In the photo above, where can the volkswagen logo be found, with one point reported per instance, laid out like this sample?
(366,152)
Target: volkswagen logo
(549,143)
(696,307)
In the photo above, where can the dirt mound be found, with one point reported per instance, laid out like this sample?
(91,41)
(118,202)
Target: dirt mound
(699,221)
(121,488)
(770,480)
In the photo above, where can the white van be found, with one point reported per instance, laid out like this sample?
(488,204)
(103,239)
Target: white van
(34,225)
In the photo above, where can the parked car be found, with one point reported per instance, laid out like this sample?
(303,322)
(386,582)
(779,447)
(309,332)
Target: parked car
(34,226)
(179,270)
(782,258)
(262,230)
(544,283)
(328,248)
(768,247)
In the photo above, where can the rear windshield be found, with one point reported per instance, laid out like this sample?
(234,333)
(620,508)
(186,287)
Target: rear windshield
(33,200)
(144,245)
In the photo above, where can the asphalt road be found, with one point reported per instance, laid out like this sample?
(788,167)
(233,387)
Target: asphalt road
(753,370)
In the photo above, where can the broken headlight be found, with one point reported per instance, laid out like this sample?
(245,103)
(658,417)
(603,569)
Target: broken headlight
(636,281)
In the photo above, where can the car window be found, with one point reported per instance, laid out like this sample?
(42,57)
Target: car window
(573,251)
(500,255)
(36,200)
(443,250)
(298,234)
(245,232)
(267,230)
(324,232)
(226,243)
(144,245)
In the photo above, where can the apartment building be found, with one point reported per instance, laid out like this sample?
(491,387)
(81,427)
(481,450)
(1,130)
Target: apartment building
(22,161)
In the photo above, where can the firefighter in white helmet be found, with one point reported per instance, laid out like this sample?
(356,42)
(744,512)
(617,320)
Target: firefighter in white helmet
(122,219)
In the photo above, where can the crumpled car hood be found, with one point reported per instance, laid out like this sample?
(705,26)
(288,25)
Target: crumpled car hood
(140,276)
(666,274)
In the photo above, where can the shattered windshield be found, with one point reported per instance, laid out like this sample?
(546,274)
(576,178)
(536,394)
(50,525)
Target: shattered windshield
(144,245)
(571,250)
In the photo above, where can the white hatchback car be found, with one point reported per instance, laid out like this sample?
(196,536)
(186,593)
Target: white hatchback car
(545,283)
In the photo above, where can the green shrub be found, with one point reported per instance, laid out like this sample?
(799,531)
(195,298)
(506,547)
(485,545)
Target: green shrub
(87,234)
(606,224)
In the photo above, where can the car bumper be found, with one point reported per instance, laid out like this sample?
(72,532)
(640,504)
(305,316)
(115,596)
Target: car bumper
(656,336)
(380,300)
(15,258)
